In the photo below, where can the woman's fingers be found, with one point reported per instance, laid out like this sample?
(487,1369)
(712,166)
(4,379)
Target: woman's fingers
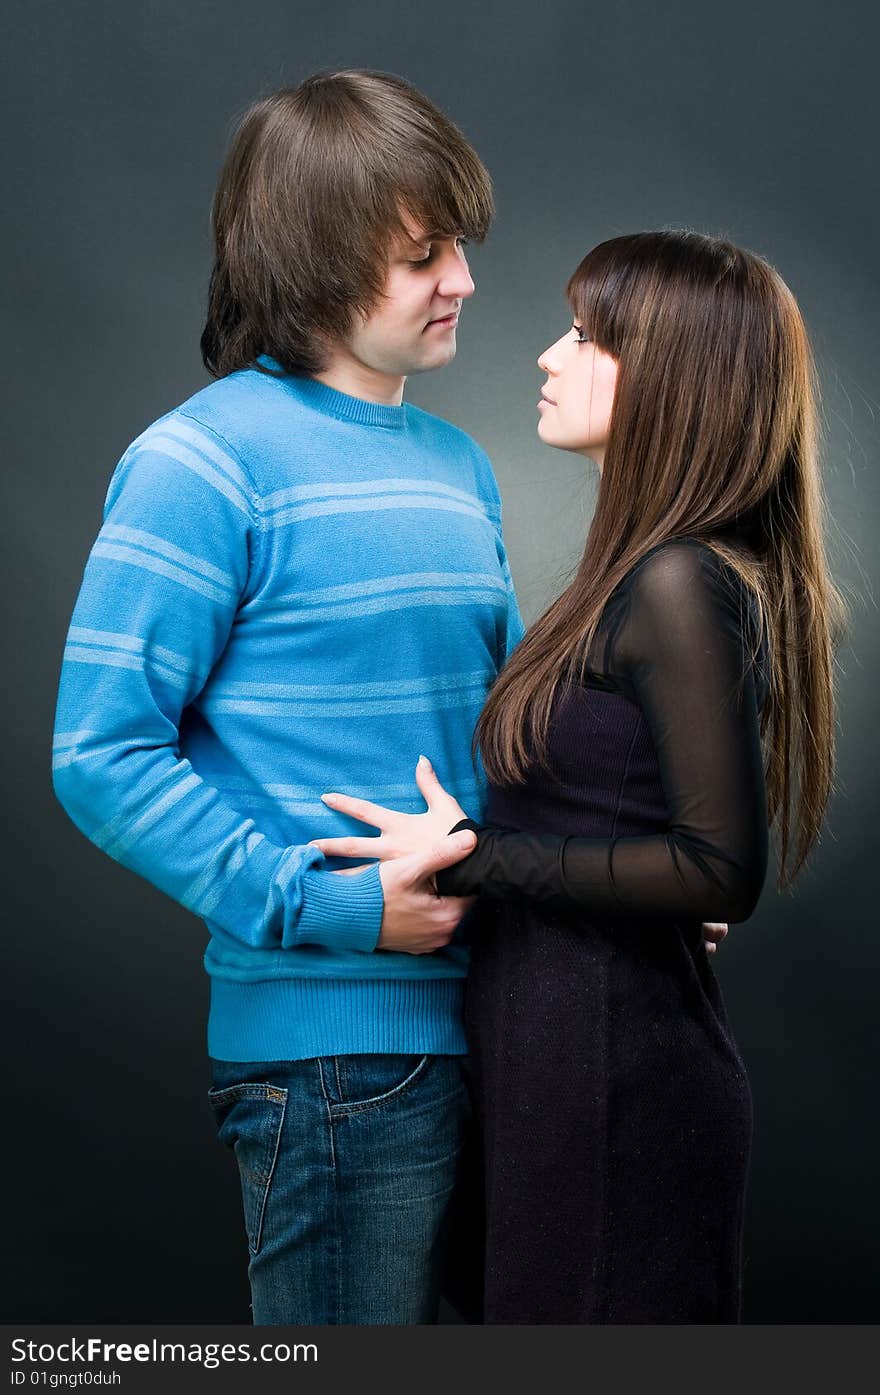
(360,809)
(713,933)
(426,780)
(353,847)
(715,930)
(431,789)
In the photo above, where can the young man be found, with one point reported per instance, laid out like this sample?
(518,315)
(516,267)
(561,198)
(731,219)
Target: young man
(300,585)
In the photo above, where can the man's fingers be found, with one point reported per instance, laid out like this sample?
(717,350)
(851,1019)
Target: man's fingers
(360,809)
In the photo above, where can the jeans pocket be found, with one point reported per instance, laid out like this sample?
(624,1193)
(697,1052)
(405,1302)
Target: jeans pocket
(354,1084)
(250,1117)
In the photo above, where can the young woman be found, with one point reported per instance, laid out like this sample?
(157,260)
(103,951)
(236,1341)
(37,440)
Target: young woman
(672,705)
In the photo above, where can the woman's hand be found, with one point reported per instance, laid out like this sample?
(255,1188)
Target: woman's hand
(401,834)
(713,933)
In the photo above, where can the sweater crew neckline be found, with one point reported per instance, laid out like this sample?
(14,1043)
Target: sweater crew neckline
(337,404)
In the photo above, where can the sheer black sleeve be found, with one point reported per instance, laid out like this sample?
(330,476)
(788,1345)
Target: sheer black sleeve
(680,647)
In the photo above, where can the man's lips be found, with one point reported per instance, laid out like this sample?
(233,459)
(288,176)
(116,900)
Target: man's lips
(447,320)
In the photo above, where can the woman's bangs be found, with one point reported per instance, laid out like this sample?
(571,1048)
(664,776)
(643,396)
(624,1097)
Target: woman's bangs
(590,293)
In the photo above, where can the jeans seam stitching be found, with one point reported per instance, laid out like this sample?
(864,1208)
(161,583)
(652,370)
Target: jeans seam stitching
(258,1238)
(329,1109)
(336,1236)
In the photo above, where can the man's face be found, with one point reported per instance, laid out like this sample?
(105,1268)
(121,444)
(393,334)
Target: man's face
(413,327)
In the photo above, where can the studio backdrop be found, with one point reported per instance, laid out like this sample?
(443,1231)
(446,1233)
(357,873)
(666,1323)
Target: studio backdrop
(757,122)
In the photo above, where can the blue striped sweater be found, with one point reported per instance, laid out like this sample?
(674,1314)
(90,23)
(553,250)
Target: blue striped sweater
(293,590)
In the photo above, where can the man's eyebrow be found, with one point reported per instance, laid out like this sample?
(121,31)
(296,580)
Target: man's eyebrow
(425,239)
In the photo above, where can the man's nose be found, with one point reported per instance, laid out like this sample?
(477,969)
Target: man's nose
(455,279)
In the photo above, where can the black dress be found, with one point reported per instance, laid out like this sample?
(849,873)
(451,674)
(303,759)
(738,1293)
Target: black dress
(615,1107)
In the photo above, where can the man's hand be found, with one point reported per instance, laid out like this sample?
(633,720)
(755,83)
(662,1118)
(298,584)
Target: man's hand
(416,920)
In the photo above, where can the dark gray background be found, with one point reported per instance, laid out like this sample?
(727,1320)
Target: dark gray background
(758,121)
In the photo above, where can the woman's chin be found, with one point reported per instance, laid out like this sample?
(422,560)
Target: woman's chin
(555,439)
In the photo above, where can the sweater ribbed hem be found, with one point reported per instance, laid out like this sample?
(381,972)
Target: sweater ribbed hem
(292,1019)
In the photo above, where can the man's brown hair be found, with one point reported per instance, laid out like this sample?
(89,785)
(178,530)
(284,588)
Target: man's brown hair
(318,182)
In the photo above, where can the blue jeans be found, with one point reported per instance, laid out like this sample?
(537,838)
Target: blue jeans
(347,1167)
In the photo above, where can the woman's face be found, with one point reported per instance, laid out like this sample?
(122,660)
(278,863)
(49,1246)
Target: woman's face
(578,396)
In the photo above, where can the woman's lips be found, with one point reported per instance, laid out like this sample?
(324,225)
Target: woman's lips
(545,402)
(448,322)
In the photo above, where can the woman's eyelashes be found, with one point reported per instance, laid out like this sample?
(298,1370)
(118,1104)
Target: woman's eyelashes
(582,338)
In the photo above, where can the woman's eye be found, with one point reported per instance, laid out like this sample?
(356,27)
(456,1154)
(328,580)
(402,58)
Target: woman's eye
(581,337)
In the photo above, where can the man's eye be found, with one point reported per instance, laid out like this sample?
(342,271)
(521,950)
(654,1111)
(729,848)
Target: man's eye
(422,261)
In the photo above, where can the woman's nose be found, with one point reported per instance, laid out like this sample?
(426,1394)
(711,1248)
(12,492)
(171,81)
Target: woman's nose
(551,353)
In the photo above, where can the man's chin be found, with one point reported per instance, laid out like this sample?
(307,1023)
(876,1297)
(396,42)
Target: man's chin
(438,358)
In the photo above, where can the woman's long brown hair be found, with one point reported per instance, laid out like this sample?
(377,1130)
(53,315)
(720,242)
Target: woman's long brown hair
(714,436)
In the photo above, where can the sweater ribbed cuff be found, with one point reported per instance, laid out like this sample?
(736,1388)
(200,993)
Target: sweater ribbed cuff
(341,912)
